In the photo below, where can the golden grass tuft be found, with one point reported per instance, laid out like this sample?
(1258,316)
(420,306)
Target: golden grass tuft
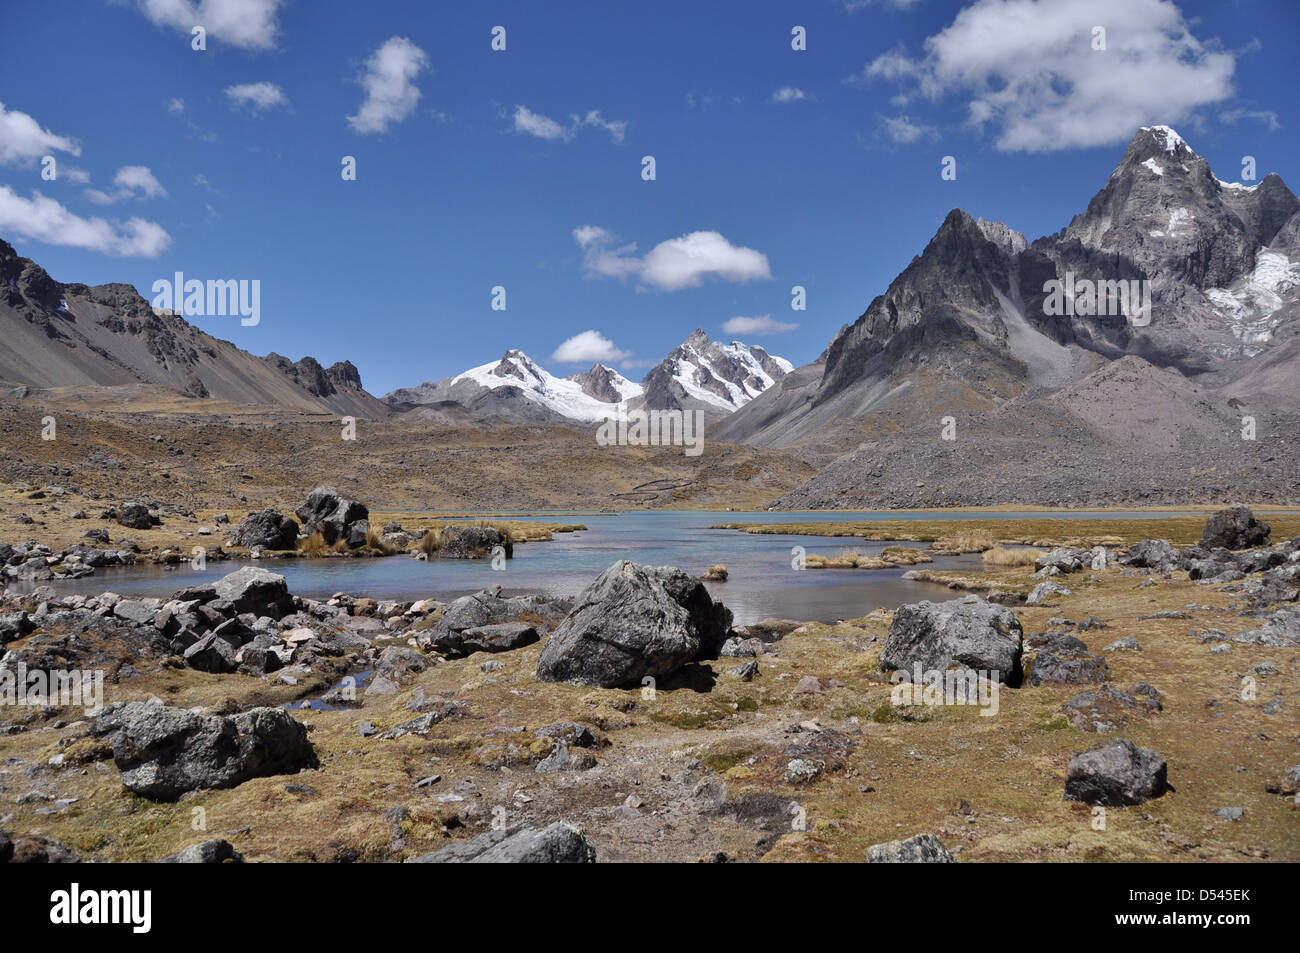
(1004,558)
(314,545)
(431,541)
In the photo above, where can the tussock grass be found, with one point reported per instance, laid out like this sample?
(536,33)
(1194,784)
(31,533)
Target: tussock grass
(314,545)
(1003,558)
(889,558)
(431,541)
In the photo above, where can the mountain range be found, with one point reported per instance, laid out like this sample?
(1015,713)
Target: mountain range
(74,335)
(967,331)
(699,374)
(1144,397)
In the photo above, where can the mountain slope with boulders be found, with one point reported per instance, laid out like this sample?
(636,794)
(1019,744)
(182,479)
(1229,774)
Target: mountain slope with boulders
(1047,403)
(74,335)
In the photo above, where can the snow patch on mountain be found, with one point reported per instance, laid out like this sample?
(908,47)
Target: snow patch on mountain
(1250,302)
(565,397)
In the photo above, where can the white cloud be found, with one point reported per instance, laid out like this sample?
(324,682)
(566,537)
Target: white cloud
(674,264)
(902,129)
(132,181)
(527,122)
(258,96)
(589,347)
(788,94)
(22,139)
(617,128)
(543,127)
(389,82)
(1030,70)
(176,106)
(249,24)
(1266,116)
(45,220)
(761,324)
(74,174)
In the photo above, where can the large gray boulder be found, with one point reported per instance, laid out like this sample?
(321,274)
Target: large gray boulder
(558,843)
(968,633)
(162,751)
(269,529)
(921,849)
(467,624)
(634,621)
(1234,528)
(329,513)
(1119,773)
(256,590)
(1157,554)
(135,514)
(473,542)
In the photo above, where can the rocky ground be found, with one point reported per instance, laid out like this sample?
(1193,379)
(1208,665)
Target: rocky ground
(1159,683)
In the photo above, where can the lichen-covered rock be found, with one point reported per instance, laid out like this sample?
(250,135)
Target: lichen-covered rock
(1234,528)
(966,633)
(329,513)
(269,529)
(634,621)
(1116,774)
(921,849)
(558,843)
(255,590)
(162,751)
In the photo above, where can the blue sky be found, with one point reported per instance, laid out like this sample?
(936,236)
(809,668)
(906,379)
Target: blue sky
(478,168)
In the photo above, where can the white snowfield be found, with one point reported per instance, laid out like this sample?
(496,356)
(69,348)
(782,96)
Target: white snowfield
(555,393)
(1250,302)
(567,398)
(689,372)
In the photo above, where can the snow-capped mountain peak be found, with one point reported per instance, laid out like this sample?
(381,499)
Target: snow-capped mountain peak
(698,374)
(719,377)
(565,396)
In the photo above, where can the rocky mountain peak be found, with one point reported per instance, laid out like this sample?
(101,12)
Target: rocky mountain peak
(602,383)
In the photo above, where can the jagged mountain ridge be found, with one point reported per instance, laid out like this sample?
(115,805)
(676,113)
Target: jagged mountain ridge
(965,326)
(71,335)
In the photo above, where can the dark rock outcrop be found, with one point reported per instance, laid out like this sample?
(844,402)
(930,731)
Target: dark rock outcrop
(634,621)
(162,751)
(558,843)
(1118,774)
(966,633)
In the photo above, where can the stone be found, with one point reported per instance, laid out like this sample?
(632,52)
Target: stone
(1045,589)
(968,633)
(634,621)
(163,752)
(207,852)
(921,849)
(269,529)
(1116,774)
(329,513)
(558,843)
(256,590)
(473,542)
(1234,528)
(134,514)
